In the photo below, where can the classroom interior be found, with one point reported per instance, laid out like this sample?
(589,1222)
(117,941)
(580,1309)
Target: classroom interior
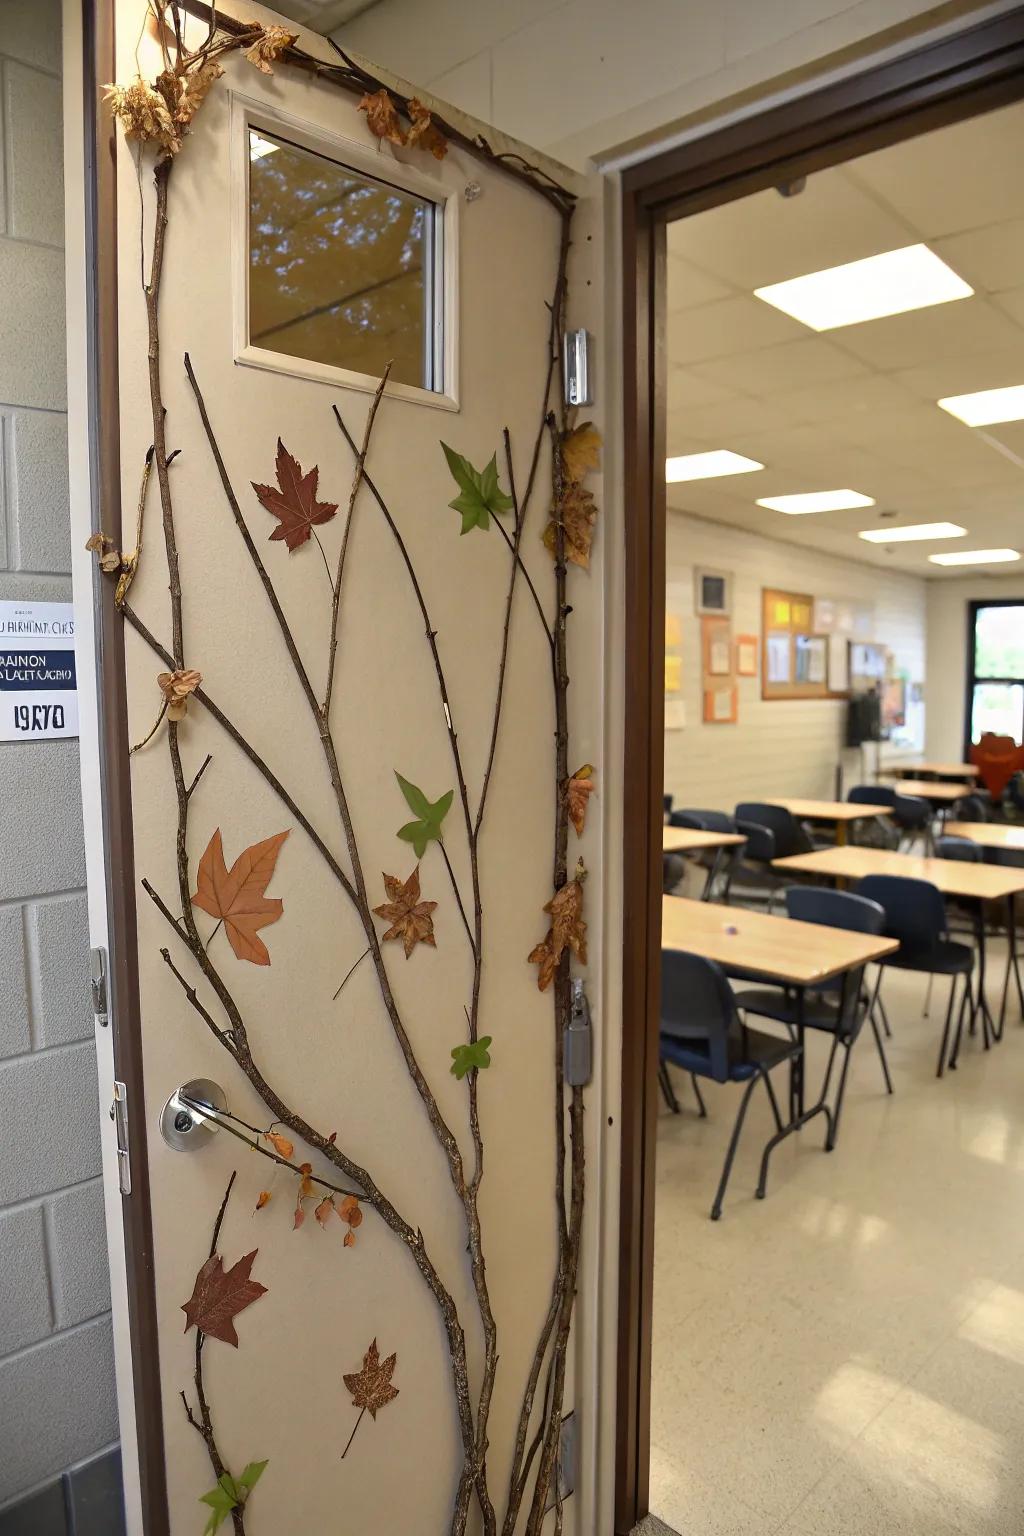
(838,1324)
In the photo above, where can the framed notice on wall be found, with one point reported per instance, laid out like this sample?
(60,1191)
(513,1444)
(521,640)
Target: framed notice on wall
(794,658)
(38,698)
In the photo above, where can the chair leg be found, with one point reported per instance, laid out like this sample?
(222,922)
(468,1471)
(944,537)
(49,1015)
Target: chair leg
(928,996)
(945,1029)
(966,1002)
(876,1002)
(716,1209)
(833,1130)
(700,1101)
(881,1052)
(773,1100)
(666,1087)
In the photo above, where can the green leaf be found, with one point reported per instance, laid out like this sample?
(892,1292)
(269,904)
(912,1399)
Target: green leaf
(465,1057)
(252,1474)
(222,1500)
(480,493)
(429,816)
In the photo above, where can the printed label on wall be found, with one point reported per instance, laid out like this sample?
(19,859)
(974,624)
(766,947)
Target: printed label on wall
(38,697)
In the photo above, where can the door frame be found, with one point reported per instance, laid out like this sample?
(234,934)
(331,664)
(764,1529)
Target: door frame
(974,604)
(932,85)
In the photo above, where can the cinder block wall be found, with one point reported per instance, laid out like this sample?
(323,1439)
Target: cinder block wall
(57,1406)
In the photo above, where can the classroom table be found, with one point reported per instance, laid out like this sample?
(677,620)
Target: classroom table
(1007,839)
(800,955)
(695,840)
(938,791)
(842,812)
(932,770)
(977,883)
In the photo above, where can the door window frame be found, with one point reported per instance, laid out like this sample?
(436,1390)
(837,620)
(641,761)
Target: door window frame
(974,607)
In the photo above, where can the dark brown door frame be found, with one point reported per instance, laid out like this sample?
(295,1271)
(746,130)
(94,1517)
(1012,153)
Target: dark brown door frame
(975,70)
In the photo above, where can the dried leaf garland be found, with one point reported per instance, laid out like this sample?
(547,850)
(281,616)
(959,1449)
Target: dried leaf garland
(383,121)
(382,116)
(409,917)
(568,930)
(176,687)
(424,132)
(581,450)
(142,112)
(293,501)
(577,513)
(219,1295)
(109,555)
(578,791)
(269,46)
(543,955)
(236,896)
(371,1387)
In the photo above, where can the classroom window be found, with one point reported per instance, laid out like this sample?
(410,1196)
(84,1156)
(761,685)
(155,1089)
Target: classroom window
(343,266)
(996,682)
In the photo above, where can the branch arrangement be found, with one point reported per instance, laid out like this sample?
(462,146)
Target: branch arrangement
(159,115)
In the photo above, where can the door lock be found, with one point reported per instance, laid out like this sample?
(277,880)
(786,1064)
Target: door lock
(188,1119)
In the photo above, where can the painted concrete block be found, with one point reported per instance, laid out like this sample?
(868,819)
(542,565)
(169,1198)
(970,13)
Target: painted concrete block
(33,363)
(31,32)
(35,188)
(25,1315)
(78,1255)
(59,952)
(49,1109)
(44,847)
(38,488)
(14,1031)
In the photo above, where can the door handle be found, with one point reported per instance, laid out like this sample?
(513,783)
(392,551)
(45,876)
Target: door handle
(188,1118)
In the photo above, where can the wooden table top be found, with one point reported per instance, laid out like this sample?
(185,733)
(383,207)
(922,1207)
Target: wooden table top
(988,882)
(942,770)
(832,810)
(690,840)
(778,947)
(990,834)
(933,789)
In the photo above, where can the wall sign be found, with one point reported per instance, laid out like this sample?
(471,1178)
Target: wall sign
(38,697)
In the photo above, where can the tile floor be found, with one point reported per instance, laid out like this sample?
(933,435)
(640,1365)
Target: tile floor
(846,1358)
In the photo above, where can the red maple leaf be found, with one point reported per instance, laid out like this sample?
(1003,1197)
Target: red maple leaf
(219,1296)
(293,500)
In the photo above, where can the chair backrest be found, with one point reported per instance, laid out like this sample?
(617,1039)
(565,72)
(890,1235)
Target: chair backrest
(697,1006)
(971,808)
(838,909)
(915,912)
(958,848)
(666,801)
(912,811)
(1016,791)
(789,835)
(871,794)
(702,821)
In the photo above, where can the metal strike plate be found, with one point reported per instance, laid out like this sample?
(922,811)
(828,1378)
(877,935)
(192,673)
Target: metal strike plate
(119,1114)
(576,364)
(98,985)
(183,1124)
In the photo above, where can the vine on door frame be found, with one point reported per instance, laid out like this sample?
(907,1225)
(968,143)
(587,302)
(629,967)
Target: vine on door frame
(157,116)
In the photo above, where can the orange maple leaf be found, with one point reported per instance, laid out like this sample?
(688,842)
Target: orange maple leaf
(236,895)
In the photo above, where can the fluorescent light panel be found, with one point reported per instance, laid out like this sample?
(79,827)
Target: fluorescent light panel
(975,557)
(891,283)
(707,466)
(987,406)
(910,532)
(800,504)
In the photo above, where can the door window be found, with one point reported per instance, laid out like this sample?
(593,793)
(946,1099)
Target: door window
(996,696)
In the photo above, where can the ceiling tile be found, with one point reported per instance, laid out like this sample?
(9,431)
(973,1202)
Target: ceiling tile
(687,284)
(729,327)
(1008,435)
(843,398)
(684,389)
(793,365)
(958,329)
(1012,303)
(990,259)
(718,424)
(964,375)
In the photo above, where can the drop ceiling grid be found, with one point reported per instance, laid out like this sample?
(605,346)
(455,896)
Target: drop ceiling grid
(856,406)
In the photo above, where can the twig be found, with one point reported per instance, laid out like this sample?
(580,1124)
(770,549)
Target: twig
(207,760)
(458,895)
(218,1118)
(348,973)
(353,1434)
(505,631)
(151,733)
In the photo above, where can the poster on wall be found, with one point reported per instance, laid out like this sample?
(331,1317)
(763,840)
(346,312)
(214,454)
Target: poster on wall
(38,698)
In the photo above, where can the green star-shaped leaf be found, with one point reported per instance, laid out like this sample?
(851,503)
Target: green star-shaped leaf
(229,1493)
(429,816)
(479,491)
(251,1476)
(465,1057)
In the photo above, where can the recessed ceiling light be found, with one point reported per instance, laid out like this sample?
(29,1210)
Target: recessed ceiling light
(816,501)
(911,532)
(975,557)
(986,406)
(706,466)
(889,284)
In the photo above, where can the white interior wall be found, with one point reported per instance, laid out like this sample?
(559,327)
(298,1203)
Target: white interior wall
(947,655)
(578,78)
(778,747)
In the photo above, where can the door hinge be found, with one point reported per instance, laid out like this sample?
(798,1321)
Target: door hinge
(98,961)
(567,1468)
(119,1115)
(577,1048)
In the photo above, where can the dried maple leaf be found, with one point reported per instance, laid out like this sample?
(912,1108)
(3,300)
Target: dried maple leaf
(143,114)
(219,1295)
(382,116)
(371,1387)
(263,1199)
(578,791)
(581,450)
(409,917)
(423,131)
(176,687)
(110,555)
(236,895)
(324,1211)
(281,1145)
(543,954)
(293,501)
(269,46)
(578,516)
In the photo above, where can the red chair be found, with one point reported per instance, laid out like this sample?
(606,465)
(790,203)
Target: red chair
(997,759)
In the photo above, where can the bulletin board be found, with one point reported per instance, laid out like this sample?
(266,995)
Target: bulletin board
(718,670)
(794,656)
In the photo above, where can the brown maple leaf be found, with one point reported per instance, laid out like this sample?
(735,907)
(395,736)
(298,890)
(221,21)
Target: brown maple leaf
(269,46)
(409,917)
(219,1295)
(371,1387)
(543,954)
(578,791)
(382,116)
(236,895)
(293,500)
(581,450)
(578,516)
(424,132)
